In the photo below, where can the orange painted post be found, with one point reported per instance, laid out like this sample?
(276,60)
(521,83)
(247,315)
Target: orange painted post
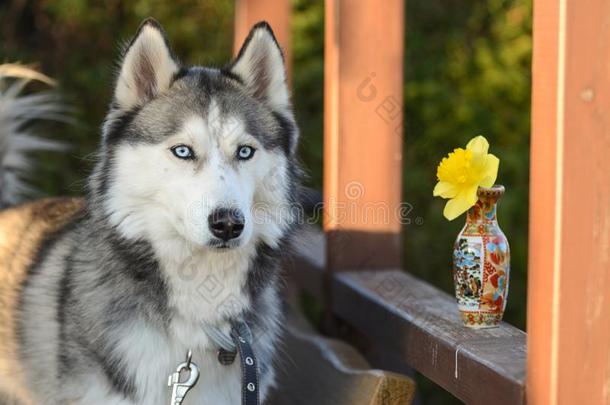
(569,266)
(364,47)
(275,12)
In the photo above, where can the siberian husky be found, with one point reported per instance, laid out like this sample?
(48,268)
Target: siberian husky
(186,213)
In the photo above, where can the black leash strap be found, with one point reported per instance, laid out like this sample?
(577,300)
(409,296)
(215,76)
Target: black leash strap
(242,337)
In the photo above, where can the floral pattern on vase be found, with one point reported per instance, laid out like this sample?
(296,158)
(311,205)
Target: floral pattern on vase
(481,263)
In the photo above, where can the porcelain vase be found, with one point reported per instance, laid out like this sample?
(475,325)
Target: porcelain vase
(481,263)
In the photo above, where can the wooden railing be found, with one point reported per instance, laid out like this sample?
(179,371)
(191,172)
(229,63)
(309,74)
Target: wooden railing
(354,268)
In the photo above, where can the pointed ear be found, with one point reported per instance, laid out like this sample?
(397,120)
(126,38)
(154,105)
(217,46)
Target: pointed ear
(260,65)
(147,69)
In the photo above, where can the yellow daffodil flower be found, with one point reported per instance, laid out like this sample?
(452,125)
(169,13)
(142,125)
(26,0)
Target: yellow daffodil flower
(462,172)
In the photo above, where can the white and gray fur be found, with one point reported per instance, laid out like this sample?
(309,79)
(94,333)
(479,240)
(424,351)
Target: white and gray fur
(115,298)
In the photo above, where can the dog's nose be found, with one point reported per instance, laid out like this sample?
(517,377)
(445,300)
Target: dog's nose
(226,223)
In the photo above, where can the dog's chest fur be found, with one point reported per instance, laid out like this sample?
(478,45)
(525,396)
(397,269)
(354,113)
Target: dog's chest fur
(203,291)
(151,356)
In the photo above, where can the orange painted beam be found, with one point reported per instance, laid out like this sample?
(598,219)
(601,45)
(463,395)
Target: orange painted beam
(364,47)
(569,256)
(275,12)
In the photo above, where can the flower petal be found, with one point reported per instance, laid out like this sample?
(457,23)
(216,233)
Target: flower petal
(470,194)
(445,190)
(490,173)
(456,207)
(478,145)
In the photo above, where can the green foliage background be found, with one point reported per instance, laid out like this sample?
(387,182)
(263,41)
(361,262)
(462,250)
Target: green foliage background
(467,72)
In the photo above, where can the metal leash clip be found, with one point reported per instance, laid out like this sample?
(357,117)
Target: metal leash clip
(181,388)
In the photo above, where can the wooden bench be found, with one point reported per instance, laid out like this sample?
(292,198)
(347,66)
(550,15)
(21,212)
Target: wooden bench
(323,371)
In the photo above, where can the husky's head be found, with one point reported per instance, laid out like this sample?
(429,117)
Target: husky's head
(198,155)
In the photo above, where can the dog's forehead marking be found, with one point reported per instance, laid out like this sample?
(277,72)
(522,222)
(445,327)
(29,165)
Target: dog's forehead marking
(214,126)
(222,124)
(195,127)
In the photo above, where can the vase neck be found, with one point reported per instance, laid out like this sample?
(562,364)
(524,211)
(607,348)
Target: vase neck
(482,212)
(485,209)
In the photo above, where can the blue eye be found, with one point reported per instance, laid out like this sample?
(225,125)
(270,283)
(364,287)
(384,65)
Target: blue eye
(183,152)
(245,152)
